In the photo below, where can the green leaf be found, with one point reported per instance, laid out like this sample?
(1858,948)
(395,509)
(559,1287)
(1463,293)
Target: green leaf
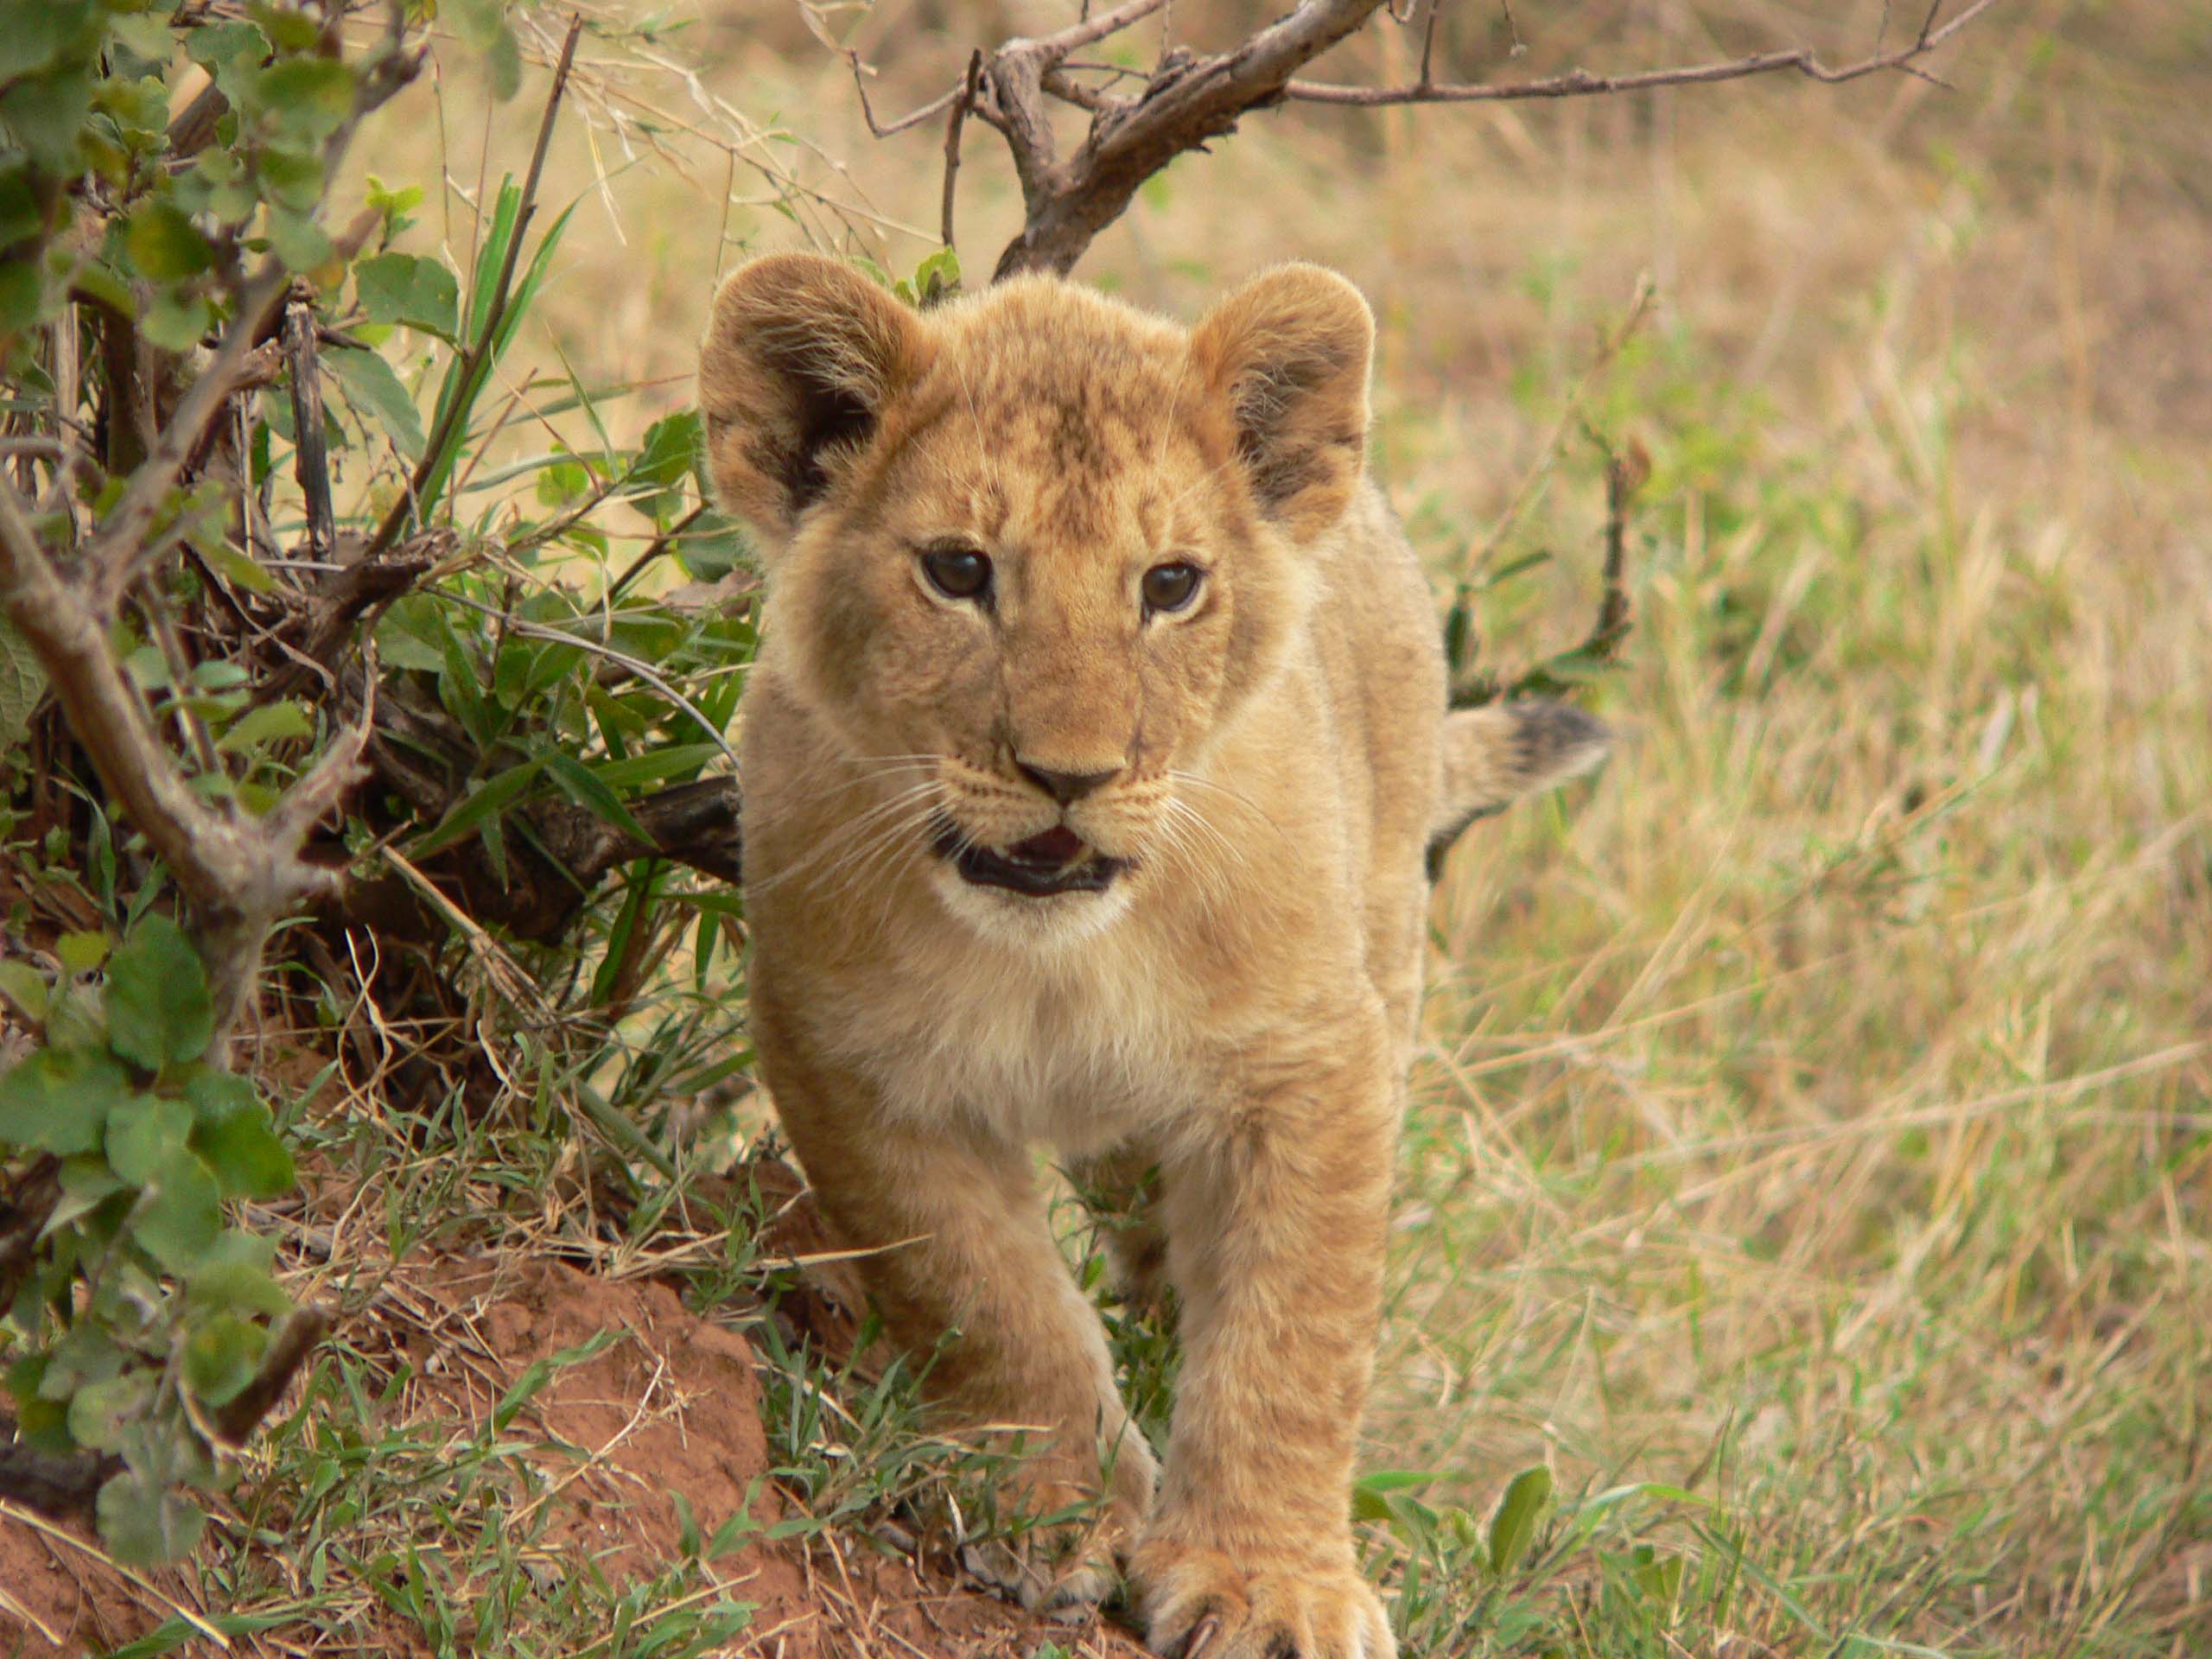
(86,1184)
(100,1412)
(180,1215)
(655,765)
(301,243)
(145,1524)
(58,1100)
(503,63)
(540,1372)
(22,298)
(19,216)
(403,289)
(85,1354)
(487,798)
(219,1356)
(589,791)
(235,565)
(312,96)
(217,1095)
(158,1008)
(26,987)
(164,244)
(145,1133)
(218,46)
(175,322)
(82,952)
(372,386)
(235,1274)
(249,1161)
(22,684)
(48,117)
(1515,1524)
(269,723)
(410,636)
(147,35)
(937,277)
(713,547)
(663,462)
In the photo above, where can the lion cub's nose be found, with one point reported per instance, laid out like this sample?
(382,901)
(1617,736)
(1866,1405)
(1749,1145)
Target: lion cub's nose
(1065,787)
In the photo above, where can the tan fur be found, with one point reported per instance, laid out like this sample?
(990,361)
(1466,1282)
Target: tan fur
(1234,1011)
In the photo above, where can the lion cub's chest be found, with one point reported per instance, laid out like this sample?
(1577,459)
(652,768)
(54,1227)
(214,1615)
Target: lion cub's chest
(1079,1048)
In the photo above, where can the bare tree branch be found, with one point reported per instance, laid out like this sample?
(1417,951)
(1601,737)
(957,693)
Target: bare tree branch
(1579,83)
(238,874)
(1190,99)
(958,118)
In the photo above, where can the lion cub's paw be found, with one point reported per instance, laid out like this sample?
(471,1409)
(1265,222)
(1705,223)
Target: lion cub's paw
(1070,1564)
(1062,1573)
(1196,1603)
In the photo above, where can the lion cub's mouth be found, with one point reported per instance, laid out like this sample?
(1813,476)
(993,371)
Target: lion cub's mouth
(1059,860)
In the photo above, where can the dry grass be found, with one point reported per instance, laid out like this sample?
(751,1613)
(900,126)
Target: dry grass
(1817,1112)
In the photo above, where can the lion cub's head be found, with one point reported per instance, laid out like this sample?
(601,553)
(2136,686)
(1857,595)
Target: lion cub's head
(1027,553)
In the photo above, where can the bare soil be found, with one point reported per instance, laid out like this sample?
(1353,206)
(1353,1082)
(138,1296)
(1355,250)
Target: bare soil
(671,1405)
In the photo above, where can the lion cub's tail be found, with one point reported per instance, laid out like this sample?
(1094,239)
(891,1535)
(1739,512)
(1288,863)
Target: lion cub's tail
(1495,754)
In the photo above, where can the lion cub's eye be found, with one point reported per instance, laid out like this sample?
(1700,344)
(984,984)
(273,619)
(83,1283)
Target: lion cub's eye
(1170,587)
(957,572)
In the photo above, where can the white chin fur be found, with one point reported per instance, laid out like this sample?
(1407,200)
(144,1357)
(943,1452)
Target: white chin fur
(1047,922)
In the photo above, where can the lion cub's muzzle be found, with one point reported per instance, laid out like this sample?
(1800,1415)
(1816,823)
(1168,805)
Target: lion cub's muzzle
(1056,861)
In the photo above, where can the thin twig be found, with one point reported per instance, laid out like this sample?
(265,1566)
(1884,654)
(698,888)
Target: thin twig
(117,548)
(1609,347)
(1580,83)
(952,125)
(912,119)
(471,361)
(659,546)
(310,447)
(1626,469)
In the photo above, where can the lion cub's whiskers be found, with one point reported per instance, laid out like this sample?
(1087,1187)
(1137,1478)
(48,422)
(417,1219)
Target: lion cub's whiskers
(862,827)
(1236,796)
(889,839)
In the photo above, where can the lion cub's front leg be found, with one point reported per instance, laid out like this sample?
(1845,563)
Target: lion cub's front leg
(962,1265)
(1275,1243)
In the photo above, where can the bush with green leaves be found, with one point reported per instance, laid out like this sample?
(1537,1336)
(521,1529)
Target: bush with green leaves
(218,642)
(147,1317)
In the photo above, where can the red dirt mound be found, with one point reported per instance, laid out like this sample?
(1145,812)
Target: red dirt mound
(58,1599)
(670,1405)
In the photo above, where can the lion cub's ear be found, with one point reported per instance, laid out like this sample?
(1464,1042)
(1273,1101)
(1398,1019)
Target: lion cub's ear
(801,360)
(1288,353)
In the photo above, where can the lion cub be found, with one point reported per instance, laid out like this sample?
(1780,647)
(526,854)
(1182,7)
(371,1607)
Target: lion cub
(1097,737)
